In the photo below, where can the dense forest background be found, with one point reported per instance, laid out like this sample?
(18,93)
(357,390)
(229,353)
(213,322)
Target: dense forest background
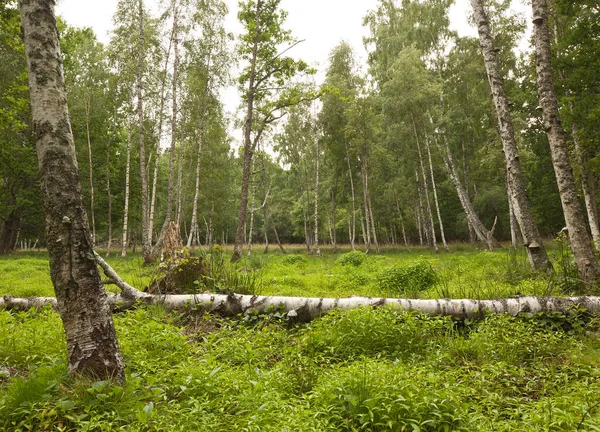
(369,156)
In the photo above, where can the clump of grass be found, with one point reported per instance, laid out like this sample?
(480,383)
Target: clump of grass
(294,259)
(407,280)
(352,258)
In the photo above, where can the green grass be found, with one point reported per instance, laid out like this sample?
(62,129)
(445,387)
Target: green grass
(357,370)
(364,369)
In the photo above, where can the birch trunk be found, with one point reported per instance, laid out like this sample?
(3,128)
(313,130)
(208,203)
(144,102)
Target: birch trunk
(316,198)
(146,240)
(109,196)
(532,239)
(426,189)
(423,226)
(304,309)
(179,185)
(171,186)
(581,244)
(435,198)
(334,222)
(514,229)
(353,227)
(481,231)
(194,228)
(91,170)
(251,224)
(126,209)
(587,187)
(92,345)
(159,137)
(248,152)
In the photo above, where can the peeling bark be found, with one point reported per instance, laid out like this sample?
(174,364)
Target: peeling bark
(305,308)
(581,244)
(80,297)
(536,252)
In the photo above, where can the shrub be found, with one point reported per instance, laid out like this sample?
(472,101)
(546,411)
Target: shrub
(353,258)
(410,279)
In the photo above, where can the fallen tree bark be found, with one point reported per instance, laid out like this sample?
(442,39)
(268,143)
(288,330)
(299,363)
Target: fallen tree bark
(305,309)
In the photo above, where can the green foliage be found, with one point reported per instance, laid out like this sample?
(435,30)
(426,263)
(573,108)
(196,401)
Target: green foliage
(225,277)
(294,259)
(352,258)
(380,396)
(363,369)
(386,332)
(409,280)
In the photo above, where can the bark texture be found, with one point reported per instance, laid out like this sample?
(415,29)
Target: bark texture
(581,243)
(306,308)
(80,297)
(146,240)
(532,239)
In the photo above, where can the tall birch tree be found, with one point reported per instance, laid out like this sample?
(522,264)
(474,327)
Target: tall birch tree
(82,302)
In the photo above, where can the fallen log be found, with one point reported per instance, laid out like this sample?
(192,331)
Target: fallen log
(304,309)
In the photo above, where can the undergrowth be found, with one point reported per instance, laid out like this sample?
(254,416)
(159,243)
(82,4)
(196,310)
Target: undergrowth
(363,369)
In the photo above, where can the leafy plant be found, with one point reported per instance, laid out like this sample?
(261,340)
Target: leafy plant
(352,258)
(409,279)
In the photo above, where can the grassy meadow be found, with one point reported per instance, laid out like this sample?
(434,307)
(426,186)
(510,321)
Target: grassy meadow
(357,370)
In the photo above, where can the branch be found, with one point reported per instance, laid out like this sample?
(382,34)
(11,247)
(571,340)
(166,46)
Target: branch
(128,291)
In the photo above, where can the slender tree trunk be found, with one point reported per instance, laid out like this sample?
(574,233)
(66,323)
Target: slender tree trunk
(425,188)
(417,212)
(251,224)
(367,228)
(179,185)
(370,209)
(480,230)
(304,186)
(159,138)
(587,187)
(402,225)
(316,198)
(423,226)
(265,229)
(514,227)
(532,239)
(146,240)
(362,226)
(194,227)
(109,197)
(91,170)
(334,222)
(80,297)
(249,148)
(171,185)
(581,244)
(126,210)
(435,197)
(283,251)
(353,226)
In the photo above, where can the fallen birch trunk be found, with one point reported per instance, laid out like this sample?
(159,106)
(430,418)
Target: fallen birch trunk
(306,309)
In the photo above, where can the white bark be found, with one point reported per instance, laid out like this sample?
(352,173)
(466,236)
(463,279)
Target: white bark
(435,198)
(91,171)
(305,309)
(316,197)
(126,210)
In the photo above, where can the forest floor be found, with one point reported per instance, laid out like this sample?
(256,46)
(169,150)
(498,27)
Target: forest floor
(363,369)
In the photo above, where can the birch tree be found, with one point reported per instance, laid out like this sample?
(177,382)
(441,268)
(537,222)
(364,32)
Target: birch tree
(265,85)
(532,240)
(81,300)
(581,244)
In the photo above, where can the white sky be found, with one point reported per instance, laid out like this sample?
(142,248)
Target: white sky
(322,23)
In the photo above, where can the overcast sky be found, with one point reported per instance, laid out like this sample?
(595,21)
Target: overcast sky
(321,23)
